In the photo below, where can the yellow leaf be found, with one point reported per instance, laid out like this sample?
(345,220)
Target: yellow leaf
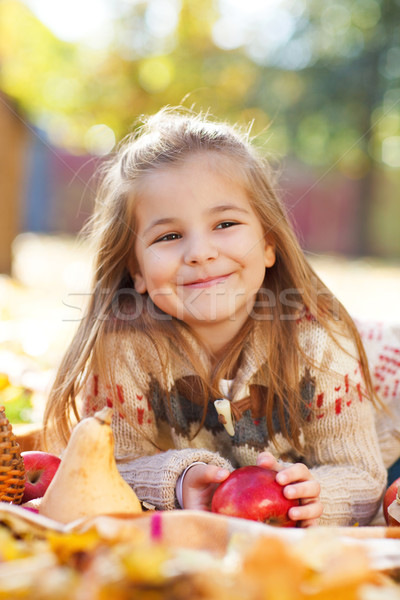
(145,564)
(10,548)
(65,545)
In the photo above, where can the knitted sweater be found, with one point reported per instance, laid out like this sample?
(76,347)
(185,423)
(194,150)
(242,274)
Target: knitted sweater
(338,438)
(382,345)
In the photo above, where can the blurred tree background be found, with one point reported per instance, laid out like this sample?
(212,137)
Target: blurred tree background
(320,81)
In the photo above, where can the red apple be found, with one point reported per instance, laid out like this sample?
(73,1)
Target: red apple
(388,498)
(40,468)
(252,493)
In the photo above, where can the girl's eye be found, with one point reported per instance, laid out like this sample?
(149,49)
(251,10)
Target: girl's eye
(168,237)
(226,224)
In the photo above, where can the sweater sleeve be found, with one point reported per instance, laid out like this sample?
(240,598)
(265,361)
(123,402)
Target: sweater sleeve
(138,434)
(341,444)
(154,478)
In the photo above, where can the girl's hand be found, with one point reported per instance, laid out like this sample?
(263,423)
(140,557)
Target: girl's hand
(199,485)
(297,482)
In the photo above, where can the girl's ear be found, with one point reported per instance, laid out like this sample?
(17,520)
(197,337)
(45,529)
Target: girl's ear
(137,277)
(139,283)
(269,255)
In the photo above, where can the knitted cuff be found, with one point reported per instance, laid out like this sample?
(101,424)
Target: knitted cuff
(154,478)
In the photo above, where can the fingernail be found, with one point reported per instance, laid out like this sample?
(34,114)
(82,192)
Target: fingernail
(222,473)
(294,513)
(281,478)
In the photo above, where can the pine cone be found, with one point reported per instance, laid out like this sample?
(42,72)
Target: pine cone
(12,471)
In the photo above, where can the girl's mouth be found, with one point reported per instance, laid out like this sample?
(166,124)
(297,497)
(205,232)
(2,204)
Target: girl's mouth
(204,283)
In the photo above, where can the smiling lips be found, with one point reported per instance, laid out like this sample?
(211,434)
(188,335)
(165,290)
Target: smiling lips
(208,282)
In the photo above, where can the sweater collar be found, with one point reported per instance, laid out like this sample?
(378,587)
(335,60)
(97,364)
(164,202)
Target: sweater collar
(253,358)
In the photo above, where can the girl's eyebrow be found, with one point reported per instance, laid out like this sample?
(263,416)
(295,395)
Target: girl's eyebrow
(164,221)
(213,210)
(225,207)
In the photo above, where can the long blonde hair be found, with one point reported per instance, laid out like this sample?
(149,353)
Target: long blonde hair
(164,139)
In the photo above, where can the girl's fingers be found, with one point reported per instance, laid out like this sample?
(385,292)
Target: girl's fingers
(302,489)
(199,484)
(299,484)
(200,476)
(296,472)
(214,474)
(306,512)
(268,461)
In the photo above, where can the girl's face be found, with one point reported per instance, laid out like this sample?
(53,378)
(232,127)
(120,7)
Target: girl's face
(200,248)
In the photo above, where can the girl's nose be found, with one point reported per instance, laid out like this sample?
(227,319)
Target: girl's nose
(200,249)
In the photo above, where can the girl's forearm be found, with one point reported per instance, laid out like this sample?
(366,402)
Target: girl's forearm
(154,478)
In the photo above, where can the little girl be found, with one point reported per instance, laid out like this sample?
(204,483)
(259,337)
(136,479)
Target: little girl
(211,336)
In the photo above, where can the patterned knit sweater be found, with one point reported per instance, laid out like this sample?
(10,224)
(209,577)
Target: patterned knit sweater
(339,441)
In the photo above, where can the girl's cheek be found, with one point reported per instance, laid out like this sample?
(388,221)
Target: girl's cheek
(156,268)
